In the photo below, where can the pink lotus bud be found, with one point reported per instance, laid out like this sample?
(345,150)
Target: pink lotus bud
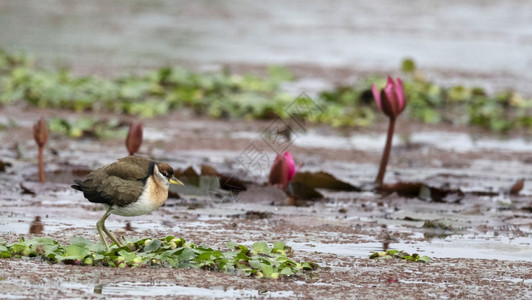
(391,100)
(134,138)
(283,170)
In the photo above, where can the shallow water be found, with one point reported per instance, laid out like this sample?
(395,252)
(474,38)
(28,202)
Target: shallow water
(487,43)
(450,141)
(136,289)
(339,232)
(513,249)
(139,289)
(462,244)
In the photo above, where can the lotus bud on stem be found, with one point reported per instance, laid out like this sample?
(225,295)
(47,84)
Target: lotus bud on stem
(134,137)
(40,134)
(391,101)
(283,170)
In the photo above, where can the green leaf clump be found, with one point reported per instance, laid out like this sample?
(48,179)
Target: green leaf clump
(390,254)
(259,260)
(224,95)
(218,94)
(88,127)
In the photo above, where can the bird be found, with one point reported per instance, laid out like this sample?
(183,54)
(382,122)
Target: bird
(131,186)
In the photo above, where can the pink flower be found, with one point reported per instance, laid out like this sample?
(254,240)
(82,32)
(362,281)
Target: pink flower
(391,100)
(283,170)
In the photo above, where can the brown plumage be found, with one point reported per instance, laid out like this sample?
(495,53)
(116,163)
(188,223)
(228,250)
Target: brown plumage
(119,183)
(131,186)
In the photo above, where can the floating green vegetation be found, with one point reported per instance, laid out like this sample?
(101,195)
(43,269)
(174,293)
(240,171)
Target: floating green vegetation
(400,255)
(225,95)
(431,103)
(259,260)
(437,229)
(220,95)
(437,224)
(88,127)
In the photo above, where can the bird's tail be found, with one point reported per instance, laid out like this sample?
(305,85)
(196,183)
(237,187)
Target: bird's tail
(77,186)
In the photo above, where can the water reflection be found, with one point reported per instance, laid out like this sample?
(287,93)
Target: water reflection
(135,289)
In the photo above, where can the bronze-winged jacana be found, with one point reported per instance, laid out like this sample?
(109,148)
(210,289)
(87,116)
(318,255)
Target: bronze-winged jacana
(131,186)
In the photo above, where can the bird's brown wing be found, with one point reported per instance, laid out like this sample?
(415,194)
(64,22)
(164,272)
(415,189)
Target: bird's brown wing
(121,192)
(119,183)
(129,168)
(111,190)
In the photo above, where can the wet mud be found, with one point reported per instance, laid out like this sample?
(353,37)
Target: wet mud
(463,212)
(479,241)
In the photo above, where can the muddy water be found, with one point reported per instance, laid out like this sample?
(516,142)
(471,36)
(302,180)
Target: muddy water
(136,289)
(452,141)
(489,234)
(486,253)
(488,43)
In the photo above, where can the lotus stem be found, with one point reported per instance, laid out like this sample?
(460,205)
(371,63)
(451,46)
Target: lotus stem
(41,165)
(386,152)
(40,134)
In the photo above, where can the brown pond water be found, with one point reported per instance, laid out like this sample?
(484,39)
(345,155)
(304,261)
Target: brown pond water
(486,43)
(486,251)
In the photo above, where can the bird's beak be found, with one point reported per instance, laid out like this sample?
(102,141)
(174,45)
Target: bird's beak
(175,181)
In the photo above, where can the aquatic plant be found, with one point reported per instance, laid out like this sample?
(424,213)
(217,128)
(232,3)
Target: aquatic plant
(391,101)
(88,127)
(134,137)
(225,95)
(283,170)
(389,254)
(40,134)
(259,260)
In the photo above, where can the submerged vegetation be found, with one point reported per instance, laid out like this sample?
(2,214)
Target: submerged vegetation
(389,254)
(259,260)
(226,95)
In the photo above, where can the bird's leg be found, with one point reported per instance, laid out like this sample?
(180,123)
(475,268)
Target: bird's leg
(113,238)
(100,225)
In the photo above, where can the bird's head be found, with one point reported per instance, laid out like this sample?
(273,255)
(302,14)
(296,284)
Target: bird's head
(163,173)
